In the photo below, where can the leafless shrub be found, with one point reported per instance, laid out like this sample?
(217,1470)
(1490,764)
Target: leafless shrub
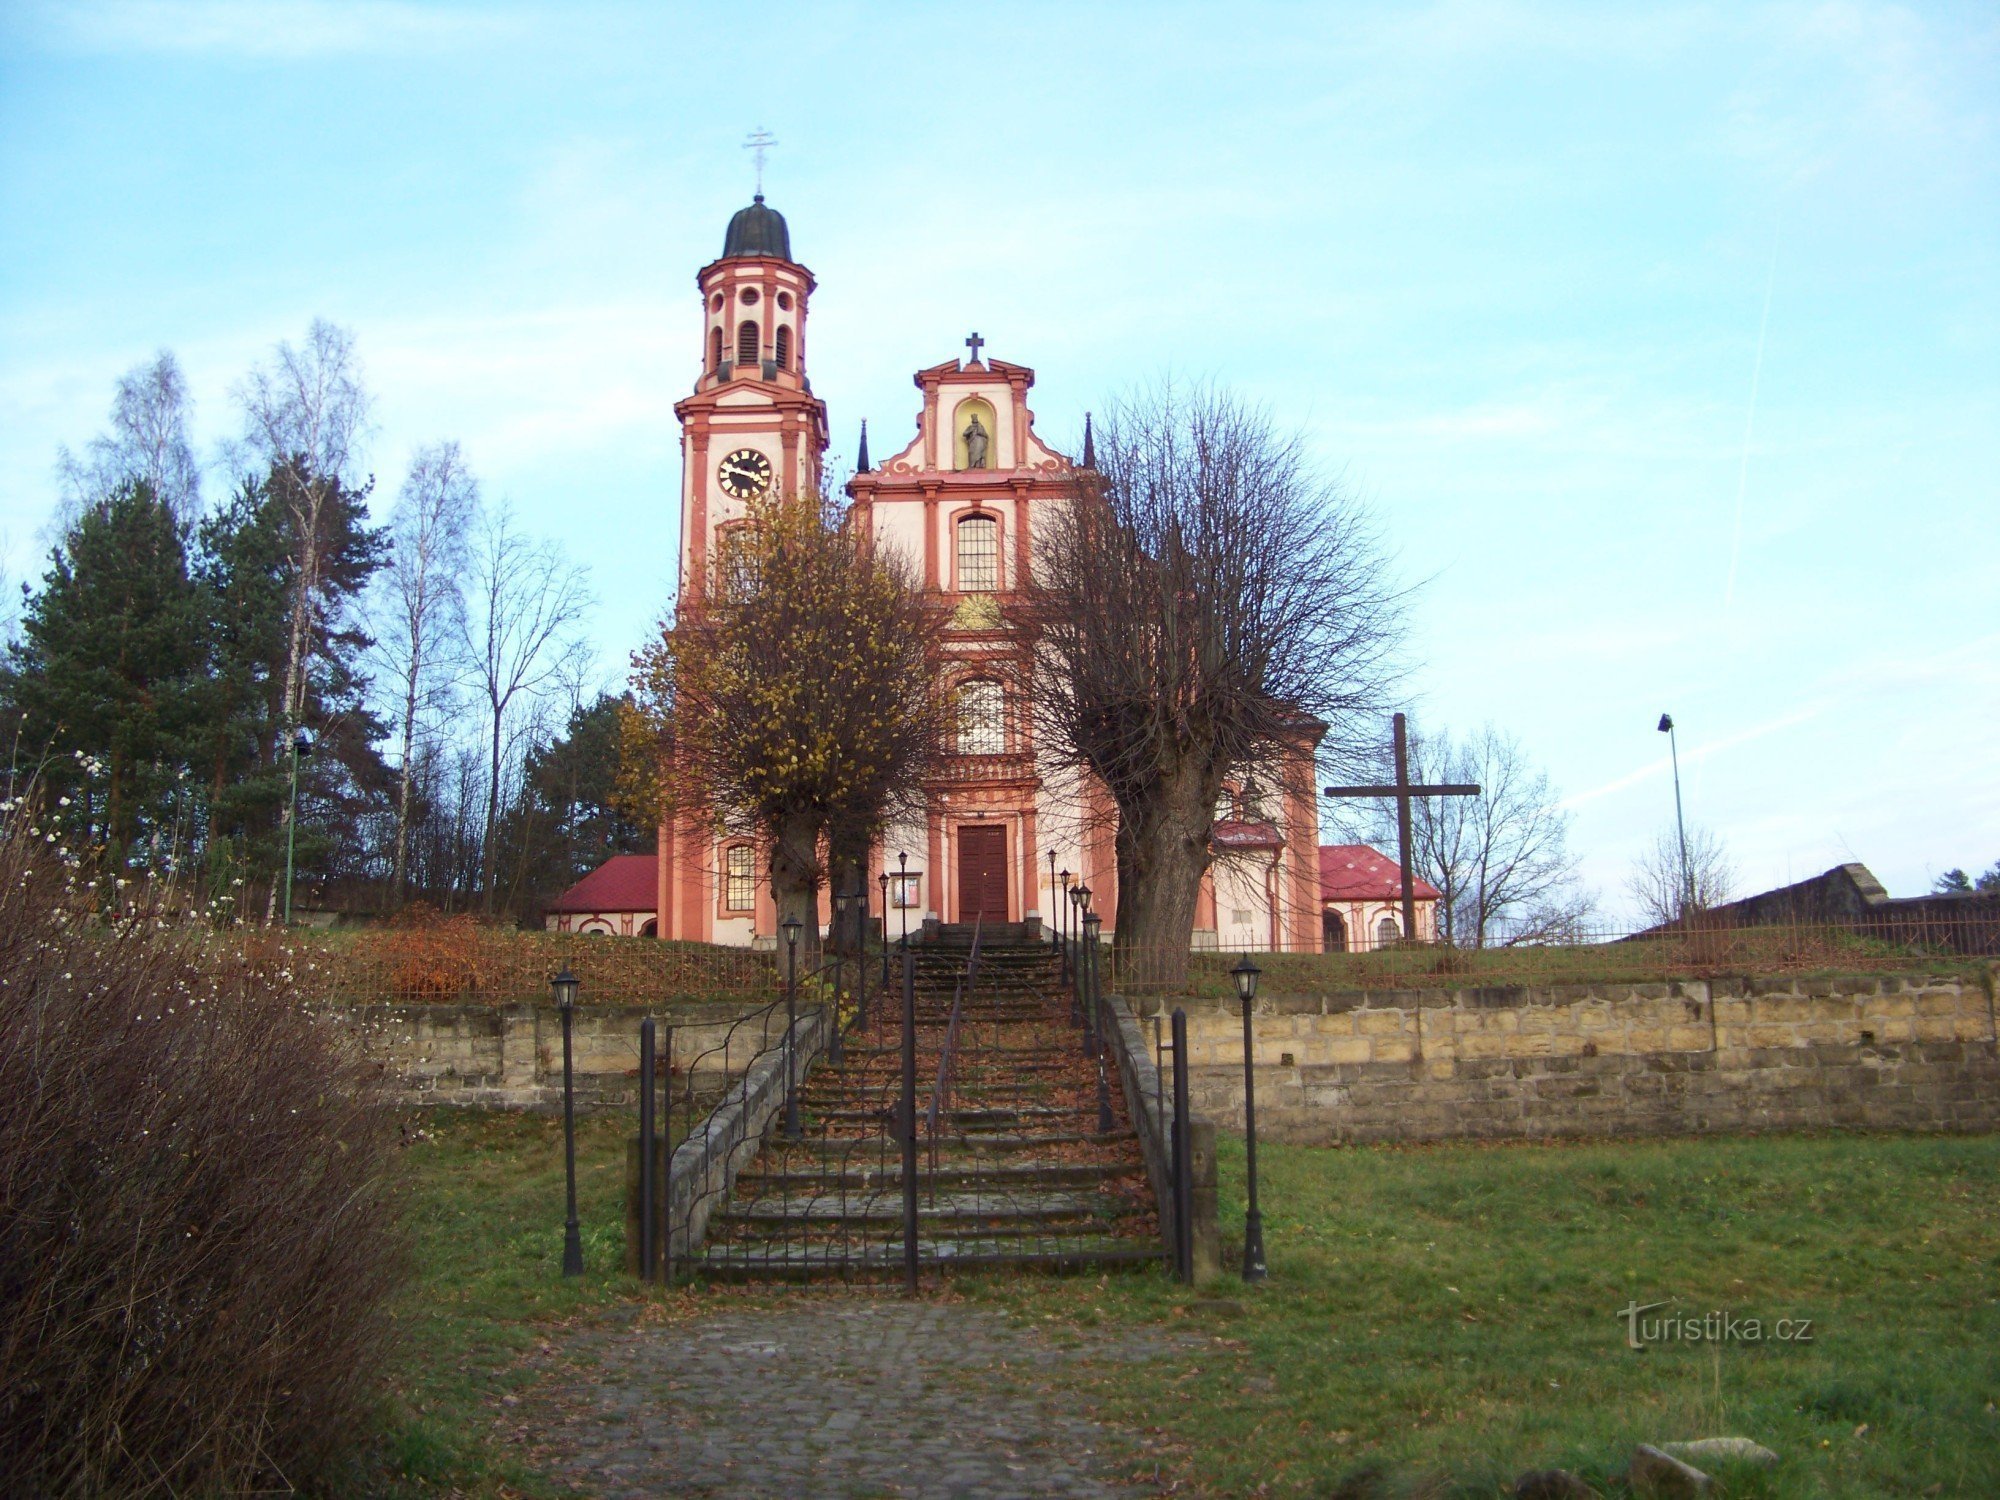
(198,1238)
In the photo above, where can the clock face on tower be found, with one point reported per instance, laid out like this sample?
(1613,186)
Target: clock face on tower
(746,473)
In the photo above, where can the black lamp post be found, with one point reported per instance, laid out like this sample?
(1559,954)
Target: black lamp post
(903,892)
(1680,824)
(1054,935)
(564,987)
(1087,964)
(884,879)
(1245,974)
(1063,923)
(790,927)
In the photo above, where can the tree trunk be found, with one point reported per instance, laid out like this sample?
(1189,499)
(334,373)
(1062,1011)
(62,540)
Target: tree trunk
(847,857)
(489,855)
(795,876)
(1162,854)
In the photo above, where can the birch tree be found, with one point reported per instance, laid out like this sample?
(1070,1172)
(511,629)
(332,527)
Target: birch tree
(148,444)
(523,600)
(305,413)
(423,629)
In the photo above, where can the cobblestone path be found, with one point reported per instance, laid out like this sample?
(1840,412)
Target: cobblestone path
(863,1398)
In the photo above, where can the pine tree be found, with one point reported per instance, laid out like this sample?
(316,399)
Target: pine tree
(109,668)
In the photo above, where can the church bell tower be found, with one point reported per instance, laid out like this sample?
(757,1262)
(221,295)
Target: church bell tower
(752,428)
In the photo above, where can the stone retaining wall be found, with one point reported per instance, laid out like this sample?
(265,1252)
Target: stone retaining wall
(510,1056)
(1912,1052)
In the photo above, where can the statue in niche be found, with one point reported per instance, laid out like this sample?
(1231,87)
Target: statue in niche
(975,443)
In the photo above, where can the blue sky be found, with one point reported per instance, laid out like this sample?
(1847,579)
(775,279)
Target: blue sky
(1665,341)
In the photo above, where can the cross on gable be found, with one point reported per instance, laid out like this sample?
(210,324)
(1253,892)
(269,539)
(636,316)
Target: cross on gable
(1405,791)
(975,344)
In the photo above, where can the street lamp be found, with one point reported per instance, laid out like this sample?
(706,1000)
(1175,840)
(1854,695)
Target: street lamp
(884,878)
(564,987)
(1072,947)
(840,904)
(1680,823)
(302,749)
(1245,974)
(903,892)
(1063,915)
(1054,930)
(1092,1041)
(790,928)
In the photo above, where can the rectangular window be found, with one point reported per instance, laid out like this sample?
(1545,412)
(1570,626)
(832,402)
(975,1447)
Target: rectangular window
(903,891)
(739,884)
(978,555)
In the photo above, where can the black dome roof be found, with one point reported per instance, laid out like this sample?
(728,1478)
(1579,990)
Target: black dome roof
(758,230)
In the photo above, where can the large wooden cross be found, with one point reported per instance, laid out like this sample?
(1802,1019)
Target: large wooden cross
(1404,792)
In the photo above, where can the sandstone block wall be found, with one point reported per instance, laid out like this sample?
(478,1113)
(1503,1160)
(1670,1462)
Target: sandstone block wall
(1877,1052)
(511,1056)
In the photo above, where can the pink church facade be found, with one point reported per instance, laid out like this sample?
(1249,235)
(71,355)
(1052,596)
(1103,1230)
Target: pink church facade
(961,500)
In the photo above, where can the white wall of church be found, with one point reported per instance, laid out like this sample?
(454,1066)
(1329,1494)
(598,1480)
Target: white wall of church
(1243,900)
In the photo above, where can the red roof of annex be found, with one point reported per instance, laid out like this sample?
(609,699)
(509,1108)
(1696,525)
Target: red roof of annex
(1356,872)
(624,882)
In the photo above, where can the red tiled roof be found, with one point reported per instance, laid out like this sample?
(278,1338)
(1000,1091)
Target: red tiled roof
(624,882)
(1356,872)
(1229,833)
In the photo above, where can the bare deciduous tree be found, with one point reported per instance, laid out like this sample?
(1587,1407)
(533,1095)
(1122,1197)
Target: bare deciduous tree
(1664,893)
(304,415)
(148,441)
(423,628)
(1205,605)
(1501,860)
(523,598)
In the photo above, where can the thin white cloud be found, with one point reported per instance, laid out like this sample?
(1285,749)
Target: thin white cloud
(1699,753)
(288,30)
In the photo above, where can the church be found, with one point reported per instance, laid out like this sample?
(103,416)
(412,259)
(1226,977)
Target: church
(1006,826)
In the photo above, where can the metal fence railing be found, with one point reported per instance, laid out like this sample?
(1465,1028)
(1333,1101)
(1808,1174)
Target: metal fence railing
(1915,941)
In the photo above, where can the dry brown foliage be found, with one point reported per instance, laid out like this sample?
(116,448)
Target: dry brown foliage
(198,1233)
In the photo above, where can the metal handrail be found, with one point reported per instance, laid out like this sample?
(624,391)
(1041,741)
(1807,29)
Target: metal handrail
(948,1054)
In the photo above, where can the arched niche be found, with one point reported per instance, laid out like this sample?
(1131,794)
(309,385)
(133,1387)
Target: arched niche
(961,422)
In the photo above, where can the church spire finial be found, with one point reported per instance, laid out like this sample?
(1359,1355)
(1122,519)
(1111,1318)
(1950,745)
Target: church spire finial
(757,144)
(861,464)
(1089,444)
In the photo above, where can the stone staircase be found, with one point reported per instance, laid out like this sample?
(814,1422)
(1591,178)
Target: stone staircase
(1012,1170)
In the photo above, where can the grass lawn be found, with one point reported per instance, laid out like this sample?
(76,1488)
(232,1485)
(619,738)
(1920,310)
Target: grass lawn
(1440,1317)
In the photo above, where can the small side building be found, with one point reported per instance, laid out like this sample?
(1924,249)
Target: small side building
(620,898)
(1361,900)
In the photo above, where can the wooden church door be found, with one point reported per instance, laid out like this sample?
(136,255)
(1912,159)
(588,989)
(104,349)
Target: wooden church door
(982,872)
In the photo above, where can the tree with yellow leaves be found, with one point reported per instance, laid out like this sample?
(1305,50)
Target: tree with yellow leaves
(799,699)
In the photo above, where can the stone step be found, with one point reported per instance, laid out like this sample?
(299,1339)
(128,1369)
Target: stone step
(1073,1253)
(886,1207)
(951,1173)
(844,1152)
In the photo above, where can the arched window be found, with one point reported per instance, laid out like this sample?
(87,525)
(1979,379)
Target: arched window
(784,347)
(715,348)
(735,562)
(1333,932)
(739,878)
(746,342)
(978,555)
(982,718)
(1387,933)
